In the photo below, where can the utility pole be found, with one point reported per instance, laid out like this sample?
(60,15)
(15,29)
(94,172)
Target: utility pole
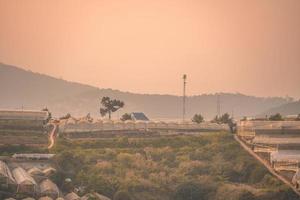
(184,97)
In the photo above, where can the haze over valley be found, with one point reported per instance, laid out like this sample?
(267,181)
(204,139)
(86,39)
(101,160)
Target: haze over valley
(31,90)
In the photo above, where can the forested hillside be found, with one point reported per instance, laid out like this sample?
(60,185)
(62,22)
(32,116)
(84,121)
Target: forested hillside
(20,88)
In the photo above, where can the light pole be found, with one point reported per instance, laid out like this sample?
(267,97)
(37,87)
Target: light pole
(184,97)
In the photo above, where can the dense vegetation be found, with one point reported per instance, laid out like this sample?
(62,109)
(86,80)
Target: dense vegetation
(276,117)
(209,166)
(198,118)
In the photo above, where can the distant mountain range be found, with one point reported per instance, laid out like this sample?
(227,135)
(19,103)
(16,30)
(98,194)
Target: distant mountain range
(20,88)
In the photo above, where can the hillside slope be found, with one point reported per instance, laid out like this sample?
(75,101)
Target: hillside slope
(20,88)
(292,108)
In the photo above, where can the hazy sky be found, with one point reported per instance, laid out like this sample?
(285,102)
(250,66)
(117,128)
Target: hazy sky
(247,46)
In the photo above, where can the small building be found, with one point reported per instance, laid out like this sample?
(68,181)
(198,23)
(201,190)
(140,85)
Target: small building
(49,189)
(139,116)
(5,174)
(25,183)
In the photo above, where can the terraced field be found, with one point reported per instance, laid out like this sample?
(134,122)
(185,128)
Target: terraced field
(9,137)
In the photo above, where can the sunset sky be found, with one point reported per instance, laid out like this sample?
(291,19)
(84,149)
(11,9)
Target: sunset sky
(246,46)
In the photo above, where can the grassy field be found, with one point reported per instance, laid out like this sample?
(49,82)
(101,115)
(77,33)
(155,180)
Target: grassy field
(185,167)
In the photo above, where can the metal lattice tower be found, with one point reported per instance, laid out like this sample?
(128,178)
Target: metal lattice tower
(218,106)
(184,97)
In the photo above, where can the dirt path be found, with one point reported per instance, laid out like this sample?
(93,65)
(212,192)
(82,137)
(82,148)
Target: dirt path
(271,170)
(52,136)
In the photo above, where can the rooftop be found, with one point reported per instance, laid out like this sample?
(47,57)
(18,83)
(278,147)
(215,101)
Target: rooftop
(286,156)
(22,177)
(33,155)
(139,116)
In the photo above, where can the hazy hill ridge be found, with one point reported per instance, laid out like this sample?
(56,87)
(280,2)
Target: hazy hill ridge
(34,91)
(292,108)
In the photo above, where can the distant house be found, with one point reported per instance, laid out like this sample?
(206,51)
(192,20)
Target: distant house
(139,116)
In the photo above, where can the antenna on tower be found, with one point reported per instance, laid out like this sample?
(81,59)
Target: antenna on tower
(184,97)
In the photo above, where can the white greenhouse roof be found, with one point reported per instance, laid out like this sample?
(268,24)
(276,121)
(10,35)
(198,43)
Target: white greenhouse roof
(4,171)
(286,156)
(47,186)
(24,114)
(276,140)
(72,196)
(22,177)
(33,155)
